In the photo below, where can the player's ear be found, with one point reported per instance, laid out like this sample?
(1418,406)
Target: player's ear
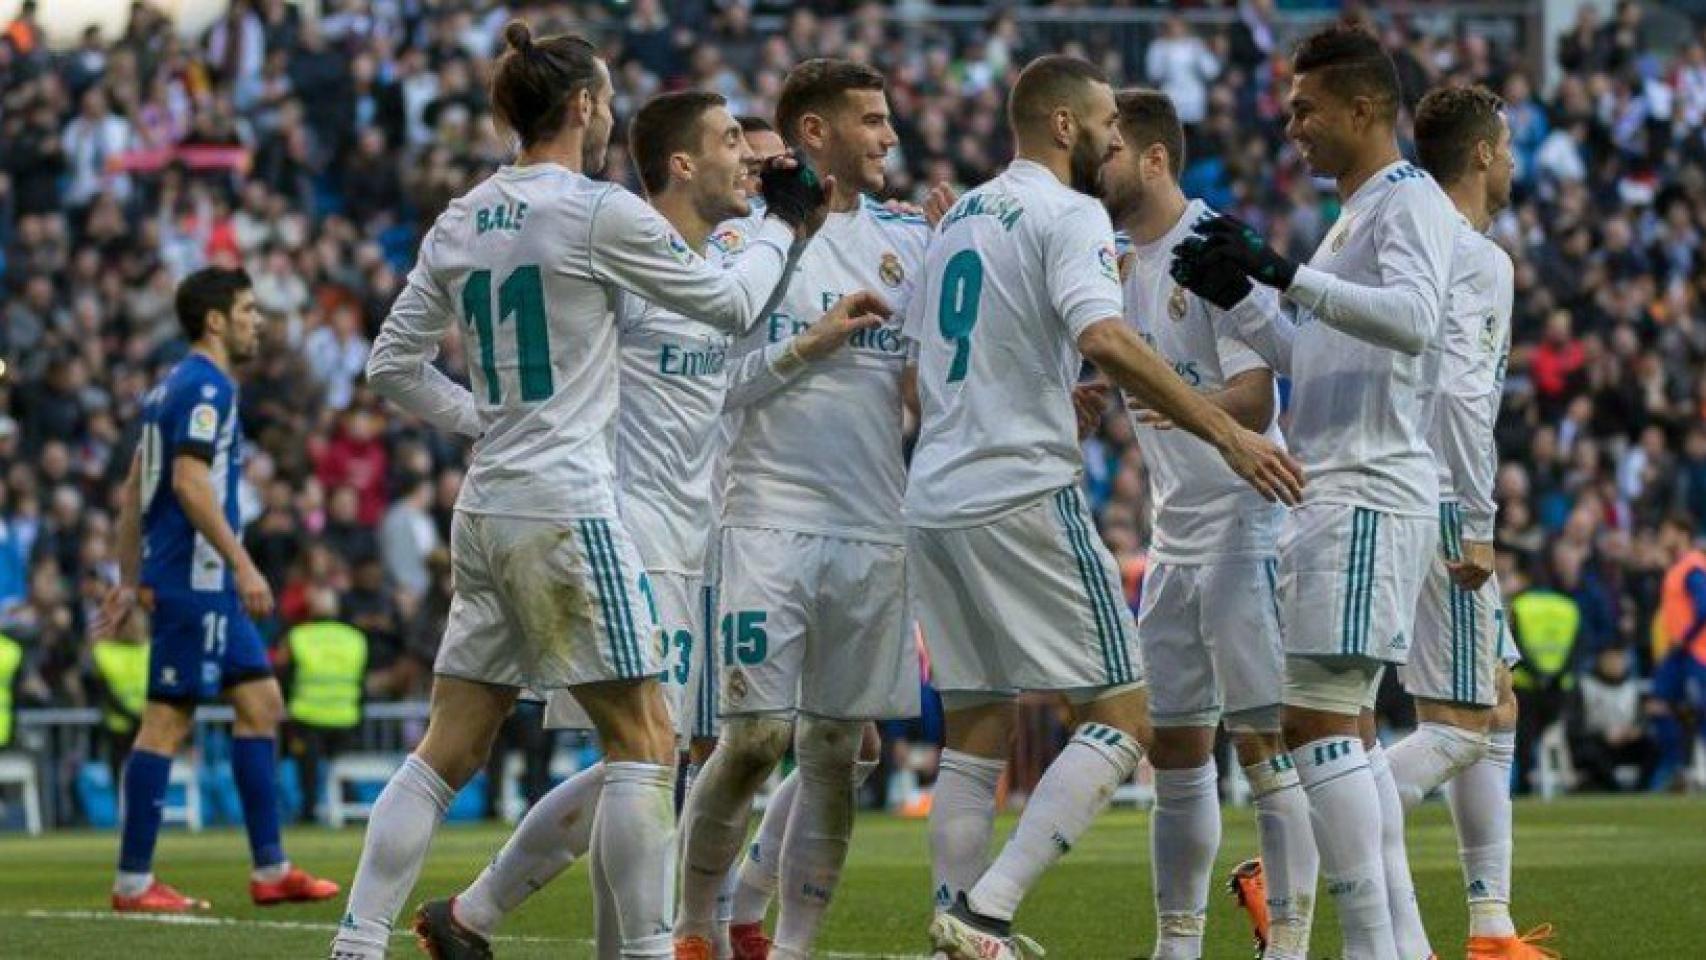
(583,103)
(1485,152)
(1063,124)
(680,166)
(814,130)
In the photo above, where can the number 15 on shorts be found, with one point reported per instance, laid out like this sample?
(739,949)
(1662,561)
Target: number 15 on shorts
(744,638)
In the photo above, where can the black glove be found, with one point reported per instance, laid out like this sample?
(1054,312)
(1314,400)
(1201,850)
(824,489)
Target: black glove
(1206,272)
(1248,251)
(792,192)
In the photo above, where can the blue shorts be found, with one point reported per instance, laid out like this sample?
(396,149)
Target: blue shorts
(203,644)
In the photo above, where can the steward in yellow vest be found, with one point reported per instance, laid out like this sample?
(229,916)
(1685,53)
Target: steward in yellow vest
(11,671)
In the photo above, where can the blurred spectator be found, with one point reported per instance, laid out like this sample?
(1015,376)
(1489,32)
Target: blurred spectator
(324,662)
(118,683)
(1679,647)
(1545,624)
(408,537)
(1604,722)
(1181,65)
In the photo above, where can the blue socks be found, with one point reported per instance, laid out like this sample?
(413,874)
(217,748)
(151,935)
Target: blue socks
(144,788)
(255,768)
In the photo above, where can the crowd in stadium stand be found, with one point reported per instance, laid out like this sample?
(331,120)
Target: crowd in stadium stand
(314,152)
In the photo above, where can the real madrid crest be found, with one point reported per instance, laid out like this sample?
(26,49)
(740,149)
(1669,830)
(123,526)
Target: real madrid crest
(1341,234)
(891,271)
(737,686)
(1176,304)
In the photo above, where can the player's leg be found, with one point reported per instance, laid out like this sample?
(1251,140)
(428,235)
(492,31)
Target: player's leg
(477,676)
(1407,930)
(1480,802)
(259,705)
(186,631)
(1242,626)
(462,722)
(143,790)
(1185,701)
(633,831)
(767,587)
(860,662)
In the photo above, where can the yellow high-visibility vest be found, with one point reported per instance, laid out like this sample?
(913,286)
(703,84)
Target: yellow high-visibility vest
(330,659)
(123,667)
(11,658)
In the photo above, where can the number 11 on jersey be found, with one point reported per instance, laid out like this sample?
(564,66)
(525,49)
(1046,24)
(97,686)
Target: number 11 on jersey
(956,315)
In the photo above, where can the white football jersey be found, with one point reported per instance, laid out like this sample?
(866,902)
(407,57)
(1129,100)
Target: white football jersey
(668,434)
(1019,267)
(1200,510)
(528,264)
(1357,422)
(1467,377)
(820,451)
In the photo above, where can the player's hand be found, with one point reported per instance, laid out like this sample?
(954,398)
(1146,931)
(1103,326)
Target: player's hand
(253,590)
(938,202)
(1476,566)
(1207,273)
(116,608)
(1264,466)
(1247,250)
(1089,400)
(1145,417)
(795,193)
(854,312)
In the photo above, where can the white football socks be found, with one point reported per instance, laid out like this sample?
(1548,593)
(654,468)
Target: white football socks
(399,833)
(759,869)
(714,822)
(1480,800)
(1184,835)
(1407,930)
(962,821)
(634,834)
(1290,865)
(555,833)
(1432,754)
(1076,788)
(814,847)
(1344,811)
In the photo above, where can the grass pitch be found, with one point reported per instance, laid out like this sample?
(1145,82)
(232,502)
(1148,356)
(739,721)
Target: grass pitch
(1622,879)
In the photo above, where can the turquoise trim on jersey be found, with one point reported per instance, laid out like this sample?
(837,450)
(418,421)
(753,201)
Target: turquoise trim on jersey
(877,210)
(1110,634)
(612,598)
(635,660)
(1359,582)
(1270,568)
(1465,608)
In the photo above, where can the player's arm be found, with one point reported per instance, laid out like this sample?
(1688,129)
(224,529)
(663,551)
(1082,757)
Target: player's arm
(1084,290)
(1468,408)
(635,248)
(1402,313)
(763,372)
(192,484)
(116,608)
(400,366)
(1112,346)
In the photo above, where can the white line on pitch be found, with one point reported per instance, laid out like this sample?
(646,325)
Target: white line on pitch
(204,920)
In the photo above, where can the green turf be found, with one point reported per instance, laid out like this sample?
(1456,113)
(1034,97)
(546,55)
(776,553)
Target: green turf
(1622,879)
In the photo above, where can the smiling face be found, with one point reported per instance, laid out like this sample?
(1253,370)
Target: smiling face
(851,142)
(720,167)
(1324,124)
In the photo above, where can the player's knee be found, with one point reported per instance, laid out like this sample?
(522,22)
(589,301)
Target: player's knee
(827,747)
(164,728)
(260,711)
(1181,747)
(754,745)
(1119,748)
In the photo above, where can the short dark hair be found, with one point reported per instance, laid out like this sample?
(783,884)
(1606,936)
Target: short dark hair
(751,123)
(1147,117)
(535,80)
(817,86)
(1449,122)
(206,290)
(667,124)
(1047,83)
(1352,62)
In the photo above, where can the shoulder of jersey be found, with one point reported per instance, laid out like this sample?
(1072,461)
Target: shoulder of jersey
(894,221)
(730,237)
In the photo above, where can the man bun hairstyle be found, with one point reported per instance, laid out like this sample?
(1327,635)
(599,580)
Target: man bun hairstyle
(1353,64)
(1148,117)
(1450,121)
(668,124)
(535,80)
(1047,84)
(817,86)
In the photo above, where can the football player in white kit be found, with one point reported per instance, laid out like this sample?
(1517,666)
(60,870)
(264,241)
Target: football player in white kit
(1209,626)
(1353,558)
(692,159)
(813,620)
(549,590)
(1459,671)
(1013,590)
